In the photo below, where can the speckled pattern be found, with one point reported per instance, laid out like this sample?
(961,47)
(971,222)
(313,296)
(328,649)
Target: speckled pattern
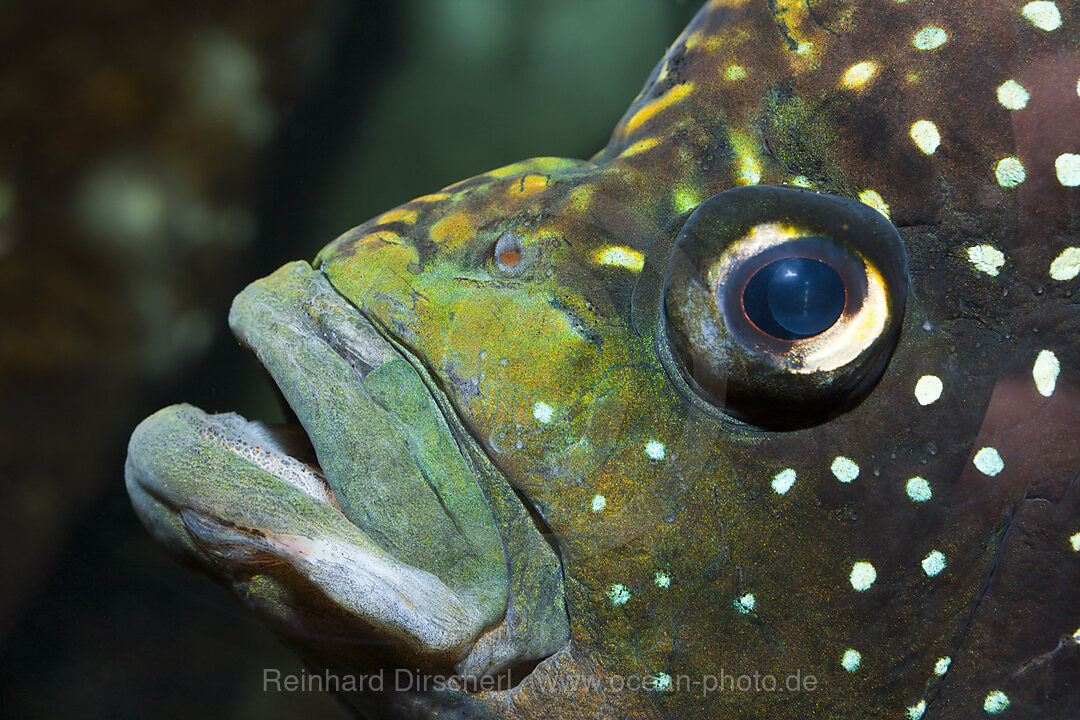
(916,554)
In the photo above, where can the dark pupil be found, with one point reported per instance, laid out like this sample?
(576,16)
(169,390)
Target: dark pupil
(794,298)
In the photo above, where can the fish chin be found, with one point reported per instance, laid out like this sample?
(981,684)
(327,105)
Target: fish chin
(381,530)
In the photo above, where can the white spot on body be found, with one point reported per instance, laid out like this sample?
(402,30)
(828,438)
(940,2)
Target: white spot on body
(942,666)
(851,660)
(863,576)
(619,594)
(1012,95)
(933,563)
(745,603)
(926,136)
(543,412)
(995,702)
(859,74)
(749,171)
(1045,372)
(1010,172)
(919,490)
(1043,15)
(655,450)
(599,502)
(783,481)
(929,38)
(844,469)
(662,681)
(1067,166)
(928,389)
(662,580)
(988,461)
(986,258)
(915,712)
(1075,542)
(1066,266)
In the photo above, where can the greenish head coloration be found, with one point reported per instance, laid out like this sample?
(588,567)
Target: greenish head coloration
(768,410)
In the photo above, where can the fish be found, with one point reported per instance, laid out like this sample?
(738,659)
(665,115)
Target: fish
(769,409)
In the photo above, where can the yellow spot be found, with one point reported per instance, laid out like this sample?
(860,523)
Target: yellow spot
(749,170)
(640,146)
(451,230)
(507,170)
(676,93)
(874,200)
(1066,266)
(930,37)
(801,181)
(581,196)
(735,72)
(1010,172)
(530,184)
(432,197)
(1012,95)
(926,136)
(620,257)
(383,236)
(685,199)
(536,165)
(986,258)
(397,215)
(859,74)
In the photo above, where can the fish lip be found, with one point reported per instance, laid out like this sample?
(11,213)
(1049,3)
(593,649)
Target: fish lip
(267,447)
(362,343)
(220,491)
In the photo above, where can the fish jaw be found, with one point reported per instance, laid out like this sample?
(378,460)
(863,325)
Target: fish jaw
(391,542)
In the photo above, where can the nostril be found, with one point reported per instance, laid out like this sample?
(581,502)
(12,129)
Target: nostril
(508,250)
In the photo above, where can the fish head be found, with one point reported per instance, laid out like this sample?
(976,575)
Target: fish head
(777,389)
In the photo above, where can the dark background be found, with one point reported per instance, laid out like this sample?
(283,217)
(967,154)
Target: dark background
(155,157)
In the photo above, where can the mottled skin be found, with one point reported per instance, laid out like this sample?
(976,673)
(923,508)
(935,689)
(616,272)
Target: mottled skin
(584,337)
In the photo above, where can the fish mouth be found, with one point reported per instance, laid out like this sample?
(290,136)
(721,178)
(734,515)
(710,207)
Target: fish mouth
(376,519)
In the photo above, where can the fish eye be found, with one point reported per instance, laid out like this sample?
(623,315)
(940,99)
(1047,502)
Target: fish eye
(782,306)
(794,298)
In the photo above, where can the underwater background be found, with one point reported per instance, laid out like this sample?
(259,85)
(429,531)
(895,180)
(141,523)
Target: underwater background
(155,158)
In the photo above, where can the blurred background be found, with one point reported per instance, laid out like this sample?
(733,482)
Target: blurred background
(155,157)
